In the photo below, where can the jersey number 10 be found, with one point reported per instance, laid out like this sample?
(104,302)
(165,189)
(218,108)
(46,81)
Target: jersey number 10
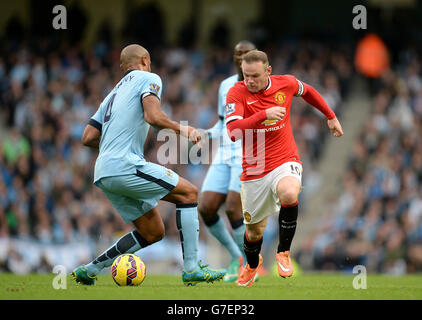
(295,170)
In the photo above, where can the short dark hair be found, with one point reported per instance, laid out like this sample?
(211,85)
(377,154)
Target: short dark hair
(255,56)
(245,43)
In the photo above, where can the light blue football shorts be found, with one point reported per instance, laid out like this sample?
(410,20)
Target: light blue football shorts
(222,177)
(133,195)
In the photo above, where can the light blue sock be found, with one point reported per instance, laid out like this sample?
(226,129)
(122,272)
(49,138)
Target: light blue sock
(129,243)
(238,235)
(188,225)
(220,232)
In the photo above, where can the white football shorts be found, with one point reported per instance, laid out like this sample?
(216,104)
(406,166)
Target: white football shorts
(259,196)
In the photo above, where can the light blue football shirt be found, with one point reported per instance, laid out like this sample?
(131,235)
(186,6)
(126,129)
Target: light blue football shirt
(220,127)
(120,117)
(228,149)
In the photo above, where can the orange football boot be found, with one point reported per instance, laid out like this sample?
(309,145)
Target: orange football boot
(284,264)
(247,277)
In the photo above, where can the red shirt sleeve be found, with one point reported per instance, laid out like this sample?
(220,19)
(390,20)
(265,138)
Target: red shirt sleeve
(295,85)
(311,96)
(236,128)
(234,105)
(236,124)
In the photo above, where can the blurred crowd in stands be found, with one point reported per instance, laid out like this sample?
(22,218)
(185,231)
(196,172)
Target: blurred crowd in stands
(377,219)
(48,96)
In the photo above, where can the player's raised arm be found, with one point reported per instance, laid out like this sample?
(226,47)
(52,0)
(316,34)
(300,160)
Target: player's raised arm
(311,96)
(155,116)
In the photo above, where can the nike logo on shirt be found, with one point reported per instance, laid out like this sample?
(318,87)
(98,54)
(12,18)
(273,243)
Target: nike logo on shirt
(250,102)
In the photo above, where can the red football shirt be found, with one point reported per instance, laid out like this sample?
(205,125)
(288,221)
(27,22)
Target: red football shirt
(271,143)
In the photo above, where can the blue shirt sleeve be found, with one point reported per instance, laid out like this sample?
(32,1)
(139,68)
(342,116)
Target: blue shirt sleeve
(221,102)
(99,115)
(151,85)
(98,118)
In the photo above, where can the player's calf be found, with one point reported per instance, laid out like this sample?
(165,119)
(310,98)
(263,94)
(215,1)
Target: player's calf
(154,237)
(287,227)
(150,226)
(252,248)
(287,220)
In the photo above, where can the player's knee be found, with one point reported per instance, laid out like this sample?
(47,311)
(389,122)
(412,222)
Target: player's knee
(207,209)
(233,213)
(233,206)
(288,196)
(191,194)
(253,235)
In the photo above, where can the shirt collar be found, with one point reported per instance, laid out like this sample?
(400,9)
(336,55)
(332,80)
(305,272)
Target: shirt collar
(268,85)
(129,71)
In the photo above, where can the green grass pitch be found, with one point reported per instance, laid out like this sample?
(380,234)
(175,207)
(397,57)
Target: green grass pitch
(170,287)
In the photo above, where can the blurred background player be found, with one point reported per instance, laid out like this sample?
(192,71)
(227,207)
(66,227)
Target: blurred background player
(222,182)
(133,185)
(259,108)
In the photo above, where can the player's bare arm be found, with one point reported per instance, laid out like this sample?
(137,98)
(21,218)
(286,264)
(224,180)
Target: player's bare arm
(91,137)
(156,117)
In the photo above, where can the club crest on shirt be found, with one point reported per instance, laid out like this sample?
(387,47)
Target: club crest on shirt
(230,108)
(168,173)
(247,216)
(280,97)
(269,122)
(155,88)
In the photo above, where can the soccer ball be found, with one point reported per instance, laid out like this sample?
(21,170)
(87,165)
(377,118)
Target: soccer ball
(128,270)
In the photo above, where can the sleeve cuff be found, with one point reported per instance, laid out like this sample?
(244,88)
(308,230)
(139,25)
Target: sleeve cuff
(95,124)
(233,118)
(146,94)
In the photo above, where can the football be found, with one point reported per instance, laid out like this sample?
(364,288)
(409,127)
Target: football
(128,270)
